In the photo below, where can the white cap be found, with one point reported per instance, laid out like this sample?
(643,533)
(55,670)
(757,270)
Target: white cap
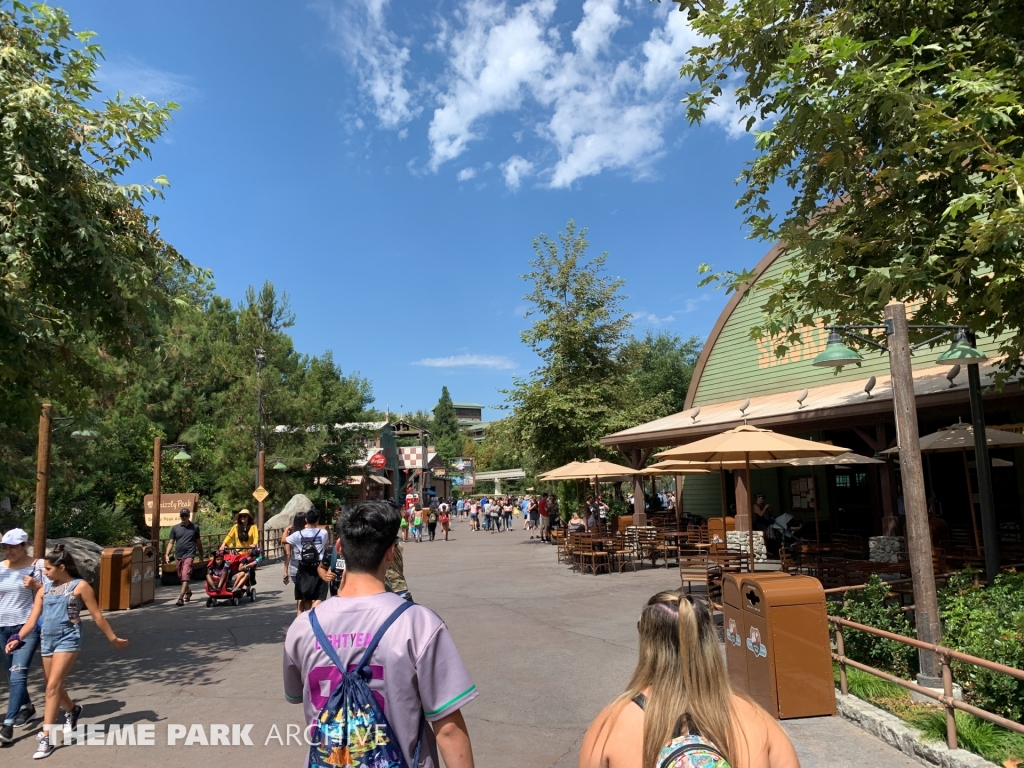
(14,537)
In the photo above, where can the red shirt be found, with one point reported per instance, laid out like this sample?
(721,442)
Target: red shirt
(542,506)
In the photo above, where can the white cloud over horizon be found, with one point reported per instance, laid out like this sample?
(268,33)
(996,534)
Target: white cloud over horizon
(494,362)
(590,102)
(136,78)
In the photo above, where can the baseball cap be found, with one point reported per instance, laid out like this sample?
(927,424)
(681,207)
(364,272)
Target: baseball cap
(184,512)
(14,537)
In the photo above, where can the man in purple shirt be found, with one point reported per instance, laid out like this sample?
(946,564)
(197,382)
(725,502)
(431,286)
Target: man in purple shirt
(416,668)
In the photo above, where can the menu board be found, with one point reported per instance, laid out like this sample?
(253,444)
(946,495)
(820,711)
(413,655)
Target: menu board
(802,490)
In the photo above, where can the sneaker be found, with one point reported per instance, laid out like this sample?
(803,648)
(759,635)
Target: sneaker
(71,718)
(43,748)
(6,733)
(25,716)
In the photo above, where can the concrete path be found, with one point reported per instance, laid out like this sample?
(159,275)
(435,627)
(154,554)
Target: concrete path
(547,648)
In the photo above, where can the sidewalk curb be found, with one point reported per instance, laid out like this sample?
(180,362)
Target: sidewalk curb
(903,737)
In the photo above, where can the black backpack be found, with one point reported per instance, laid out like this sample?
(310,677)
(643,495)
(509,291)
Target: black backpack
(309,555)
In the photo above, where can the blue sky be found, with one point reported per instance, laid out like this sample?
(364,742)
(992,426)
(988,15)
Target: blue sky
(387,165)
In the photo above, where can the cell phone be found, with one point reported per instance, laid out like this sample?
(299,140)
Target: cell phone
(339,565)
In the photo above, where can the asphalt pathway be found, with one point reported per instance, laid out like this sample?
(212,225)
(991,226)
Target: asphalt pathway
(547,648)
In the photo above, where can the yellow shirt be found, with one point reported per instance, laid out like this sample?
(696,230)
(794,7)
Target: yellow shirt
(231,540)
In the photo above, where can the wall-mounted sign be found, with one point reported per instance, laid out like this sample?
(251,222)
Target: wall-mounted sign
(171,505)
(377,461)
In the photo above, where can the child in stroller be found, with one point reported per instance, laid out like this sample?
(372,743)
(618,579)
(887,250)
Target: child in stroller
(232,576)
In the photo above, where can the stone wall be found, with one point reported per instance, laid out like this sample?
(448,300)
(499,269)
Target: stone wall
(741,540)
(884,549)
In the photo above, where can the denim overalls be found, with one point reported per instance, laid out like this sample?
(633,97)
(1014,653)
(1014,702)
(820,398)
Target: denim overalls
(62,632)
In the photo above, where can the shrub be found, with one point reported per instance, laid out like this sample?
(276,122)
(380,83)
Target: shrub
(987,622)
(104,524)
(979,736)
(870,606)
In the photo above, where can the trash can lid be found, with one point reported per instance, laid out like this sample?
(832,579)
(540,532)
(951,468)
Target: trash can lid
(760,590)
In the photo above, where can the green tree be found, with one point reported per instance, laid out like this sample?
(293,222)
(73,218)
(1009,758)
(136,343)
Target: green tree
(445,433)
(582,389)
(661,364)
(84,273)
(899,127)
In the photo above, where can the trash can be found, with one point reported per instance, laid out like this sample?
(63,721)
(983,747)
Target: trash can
(135,570)
(149,566)
(777,644)
(115,578)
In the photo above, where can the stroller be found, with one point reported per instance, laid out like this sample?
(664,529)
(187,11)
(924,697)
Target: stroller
(245,561)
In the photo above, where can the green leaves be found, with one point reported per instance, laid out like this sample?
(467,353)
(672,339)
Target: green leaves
(899,129)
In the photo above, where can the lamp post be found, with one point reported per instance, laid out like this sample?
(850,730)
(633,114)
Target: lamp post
(261,360)
(46,419)
(158,449)
(919,544)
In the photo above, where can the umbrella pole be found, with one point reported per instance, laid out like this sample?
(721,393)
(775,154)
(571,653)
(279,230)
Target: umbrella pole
(750,512)
(970,500)
(814,498)
(725,529)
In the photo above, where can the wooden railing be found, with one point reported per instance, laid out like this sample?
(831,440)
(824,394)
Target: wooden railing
(945,656)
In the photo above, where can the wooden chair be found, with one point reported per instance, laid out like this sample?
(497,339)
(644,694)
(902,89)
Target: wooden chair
(622,554)
(572,552)
(693,567)
(666,549)
(595,557)
(563,549)
(647,545)
(731,560)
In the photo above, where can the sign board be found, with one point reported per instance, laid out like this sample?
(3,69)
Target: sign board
(171,505)
(463,475)
(260,494)
(377,461)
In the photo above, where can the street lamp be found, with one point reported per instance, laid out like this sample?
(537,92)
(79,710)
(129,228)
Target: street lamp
(280,466)
(919,545)
(261,360)
(158,449)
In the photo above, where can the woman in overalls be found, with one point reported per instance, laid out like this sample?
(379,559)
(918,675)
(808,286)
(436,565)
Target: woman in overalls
(59,605)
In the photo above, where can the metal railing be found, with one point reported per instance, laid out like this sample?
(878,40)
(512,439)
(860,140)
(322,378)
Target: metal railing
(945,655)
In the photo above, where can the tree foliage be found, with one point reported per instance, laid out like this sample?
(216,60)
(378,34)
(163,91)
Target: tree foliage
(899,128)
(445,433)
(661,365)
(582,390)
(84,272)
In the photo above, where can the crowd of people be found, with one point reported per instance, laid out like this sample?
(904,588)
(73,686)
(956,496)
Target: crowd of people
(392,664)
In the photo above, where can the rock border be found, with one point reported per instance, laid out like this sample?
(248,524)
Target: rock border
(903,737)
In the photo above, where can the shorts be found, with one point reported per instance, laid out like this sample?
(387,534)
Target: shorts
(65,638)
(545,522)
(309,586)
(185,569)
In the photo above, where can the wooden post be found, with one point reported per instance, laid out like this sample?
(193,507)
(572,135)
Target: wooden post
(679,499)
(919,540)
(970,500)
(42,482)
(750,513)
(639,509)
(158,447)
(260,476)
(744,508)
(814,500)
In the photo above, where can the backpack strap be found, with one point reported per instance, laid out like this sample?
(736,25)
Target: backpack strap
(365,661)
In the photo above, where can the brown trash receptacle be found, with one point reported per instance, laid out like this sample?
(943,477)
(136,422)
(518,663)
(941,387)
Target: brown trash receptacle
(736,653)
(135,570)
(149,566)
(784,642)
(115,578)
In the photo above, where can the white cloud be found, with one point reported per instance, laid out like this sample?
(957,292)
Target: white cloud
(655,320)
(137,79)
(594,102)
(377,56)
(514,169)
(496,362)
(466,174)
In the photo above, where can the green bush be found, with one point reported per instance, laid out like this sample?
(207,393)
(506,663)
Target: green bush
(979,736)
(987,622)
(869,606)
(104,524)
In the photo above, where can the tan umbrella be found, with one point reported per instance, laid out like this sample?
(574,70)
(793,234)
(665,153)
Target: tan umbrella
(748,443)
(587,470)
(565,472)
(960,437)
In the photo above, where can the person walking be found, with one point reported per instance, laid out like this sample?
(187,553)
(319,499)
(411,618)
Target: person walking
(680,695)
(534,515)
(20,578)
(418,675)
(416,528)
(310,543)
(291,559)
(184,537)
(474,516)
(432,515)
(542,513)
(524,506)
(506,512)
(445,519)
(56,610)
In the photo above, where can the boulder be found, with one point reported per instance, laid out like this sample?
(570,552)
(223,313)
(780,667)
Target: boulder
(86,555)
(298,503)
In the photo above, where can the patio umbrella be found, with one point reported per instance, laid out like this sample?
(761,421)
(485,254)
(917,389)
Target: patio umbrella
(674,468)
(591,469)
(748,443)
(960,437)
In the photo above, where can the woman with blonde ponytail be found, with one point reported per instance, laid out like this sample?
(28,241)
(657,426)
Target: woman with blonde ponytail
(680,687)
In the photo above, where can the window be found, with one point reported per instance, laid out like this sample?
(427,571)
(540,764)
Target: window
(861,479)
(843,481)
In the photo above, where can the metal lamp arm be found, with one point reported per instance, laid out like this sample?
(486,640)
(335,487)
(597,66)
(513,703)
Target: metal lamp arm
(846,330)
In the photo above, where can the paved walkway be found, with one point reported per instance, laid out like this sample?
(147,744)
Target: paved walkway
(547,648)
